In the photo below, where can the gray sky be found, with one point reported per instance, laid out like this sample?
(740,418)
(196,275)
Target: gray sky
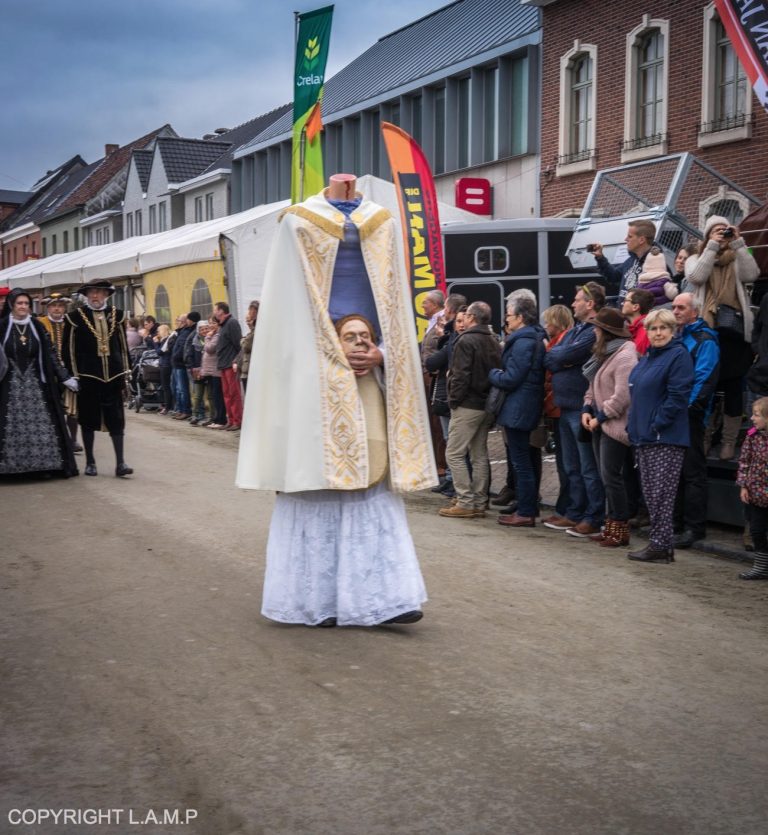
(78,74)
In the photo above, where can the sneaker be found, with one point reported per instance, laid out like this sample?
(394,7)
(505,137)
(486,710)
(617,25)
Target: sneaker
(457,512)
(583,530)
(558,523)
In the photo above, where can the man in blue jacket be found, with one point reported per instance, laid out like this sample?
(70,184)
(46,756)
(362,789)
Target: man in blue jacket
(585,512)
(701,342)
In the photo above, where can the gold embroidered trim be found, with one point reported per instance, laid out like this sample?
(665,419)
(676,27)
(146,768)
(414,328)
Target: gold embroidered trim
(328,225)
(102,342)
(369,226)
(345,452)
(410,445)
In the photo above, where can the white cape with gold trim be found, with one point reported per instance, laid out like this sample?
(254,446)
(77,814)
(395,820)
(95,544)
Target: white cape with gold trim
(303,426)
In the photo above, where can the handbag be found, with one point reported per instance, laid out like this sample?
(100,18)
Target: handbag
(495,400)
(729,321)
(439,407)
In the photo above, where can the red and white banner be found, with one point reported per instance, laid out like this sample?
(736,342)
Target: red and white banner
(418,212)
(746,24)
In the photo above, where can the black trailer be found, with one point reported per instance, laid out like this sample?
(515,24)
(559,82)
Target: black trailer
(485,261)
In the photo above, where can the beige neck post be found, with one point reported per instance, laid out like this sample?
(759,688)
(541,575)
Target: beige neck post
(341,187)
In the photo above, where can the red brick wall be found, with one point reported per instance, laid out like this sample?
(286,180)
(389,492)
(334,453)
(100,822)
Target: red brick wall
(606,25)
(13,253)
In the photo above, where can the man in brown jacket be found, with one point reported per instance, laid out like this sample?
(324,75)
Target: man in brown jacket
(475,353)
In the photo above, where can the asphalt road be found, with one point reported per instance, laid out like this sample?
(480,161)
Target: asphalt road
(552,687)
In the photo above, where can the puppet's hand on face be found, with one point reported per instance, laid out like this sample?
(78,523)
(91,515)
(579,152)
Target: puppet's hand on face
(362,361)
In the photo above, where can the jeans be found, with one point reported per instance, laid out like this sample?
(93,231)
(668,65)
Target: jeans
(611,457)
(218,410)
(586,496)
(525,477)
(469,434)
(181,391)
(166,381)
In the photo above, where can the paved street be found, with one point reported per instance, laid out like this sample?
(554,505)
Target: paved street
(552,687)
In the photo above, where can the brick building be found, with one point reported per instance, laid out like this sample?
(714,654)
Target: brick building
(622,84)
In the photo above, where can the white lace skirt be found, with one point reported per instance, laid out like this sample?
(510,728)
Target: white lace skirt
(347,555)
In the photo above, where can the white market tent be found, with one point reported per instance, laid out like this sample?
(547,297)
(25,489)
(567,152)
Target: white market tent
(247,238)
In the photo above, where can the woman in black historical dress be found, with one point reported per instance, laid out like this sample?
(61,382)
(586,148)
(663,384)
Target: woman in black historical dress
(33,432)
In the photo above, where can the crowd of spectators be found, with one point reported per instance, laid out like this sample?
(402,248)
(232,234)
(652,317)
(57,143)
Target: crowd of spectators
(203,365)
(626,389)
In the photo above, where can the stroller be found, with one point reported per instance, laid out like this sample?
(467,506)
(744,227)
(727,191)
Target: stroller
(146,389)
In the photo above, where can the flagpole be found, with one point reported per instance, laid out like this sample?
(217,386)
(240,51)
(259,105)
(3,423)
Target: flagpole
(302,141)
(302,155)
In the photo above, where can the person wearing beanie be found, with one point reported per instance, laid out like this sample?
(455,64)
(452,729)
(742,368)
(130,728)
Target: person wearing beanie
(656,279)
(604,414)
(716,277)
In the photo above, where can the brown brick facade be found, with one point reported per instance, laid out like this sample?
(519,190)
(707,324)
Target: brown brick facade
(606,25)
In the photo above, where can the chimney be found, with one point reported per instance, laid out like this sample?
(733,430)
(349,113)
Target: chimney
(110,149)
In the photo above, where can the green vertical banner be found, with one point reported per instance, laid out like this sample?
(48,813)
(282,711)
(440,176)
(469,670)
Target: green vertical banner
(311,57)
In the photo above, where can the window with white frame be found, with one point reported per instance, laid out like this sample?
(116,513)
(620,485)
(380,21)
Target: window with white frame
(198,209)
(138,222)
(577,151)
(726,203)
(726,101)
(162,217)
(152,220)
(209,206)
(129,226)
(646,90)
(491,259)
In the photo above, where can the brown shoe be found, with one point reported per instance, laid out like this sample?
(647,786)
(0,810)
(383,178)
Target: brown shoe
(515,521)
(583,530)
(558,523)
(457,512)
(479,513)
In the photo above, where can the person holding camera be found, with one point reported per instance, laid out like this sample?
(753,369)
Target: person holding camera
(716,277)
(639,240)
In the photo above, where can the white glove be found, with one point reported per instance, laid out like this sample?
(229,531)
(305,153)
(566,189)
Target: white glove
(72,384)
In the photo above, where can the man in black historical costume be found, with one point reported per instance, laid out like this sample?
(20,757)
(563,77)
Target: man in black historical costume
(56,306)
(95,351)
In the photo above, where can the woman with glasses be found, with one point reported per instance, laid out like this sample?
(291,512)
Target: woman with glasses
(660,386)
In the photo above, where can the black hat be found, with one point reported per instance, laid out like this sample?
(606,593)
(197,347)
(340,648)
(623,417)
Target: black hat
(11,298)
(96,284)
(194,316)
